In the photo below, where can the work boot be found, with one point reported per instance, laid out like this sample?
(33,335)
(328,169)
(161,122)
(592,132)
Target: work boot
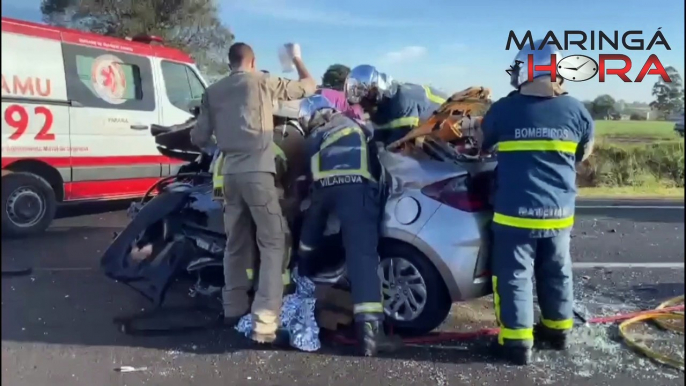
(372,339)
(549,338)
(281,338)
(519,356)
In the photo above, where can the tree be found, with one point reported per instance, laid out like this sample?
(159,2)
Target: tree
(334,77)
(669,97)
(603,107)
(189,25)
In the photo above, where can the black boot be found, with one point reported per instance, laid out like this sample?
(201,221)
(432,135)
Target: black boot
(549,338)
(519,356)
(372,339)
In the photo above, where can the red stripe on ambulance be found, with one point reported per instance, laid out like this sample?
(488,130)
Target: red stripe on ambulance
(65,162)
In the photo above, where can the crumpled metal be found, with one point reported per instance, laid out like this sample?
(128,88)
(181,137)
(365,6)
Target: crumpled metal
(297,316)
(415,170)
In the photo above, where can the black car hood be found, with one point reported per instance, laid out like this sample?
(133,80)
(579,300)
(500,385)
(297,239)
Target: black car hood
(175,141)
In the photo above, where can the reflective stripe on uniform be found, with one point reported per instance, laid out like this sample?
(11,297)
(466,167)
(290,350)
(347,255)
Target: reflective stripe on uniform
(279,153)
(515,334)
(533,223)
(304,247)
(538,145)
(218,178)
(318,174)
(285,277)
(508,333)
(368,308)
(566,324)
(432,97)
(496,300)
(398,123)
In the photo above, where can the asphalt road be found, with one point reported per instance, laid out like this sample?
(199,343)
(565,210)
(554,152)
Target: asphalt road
(57,323)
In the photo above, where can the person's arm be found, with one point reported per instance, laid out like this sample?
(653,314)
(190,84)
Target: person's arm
(488,130)
(286,89)
(201,134)
(585,147)
(403,114)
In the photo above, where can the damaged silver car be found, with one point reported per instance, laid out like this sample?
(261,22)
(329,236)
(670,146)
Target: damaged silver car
(434,247)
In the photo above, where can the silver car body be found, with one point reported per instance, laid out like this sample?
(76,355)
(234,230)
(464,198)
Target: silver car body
(456,242)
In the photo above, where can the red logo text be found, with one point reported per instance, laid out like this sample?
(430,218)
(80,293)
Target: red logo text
(607,64)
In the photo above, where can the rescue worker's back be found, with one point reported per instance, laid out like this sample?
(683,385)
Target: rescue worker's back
(539,142)
(540,133)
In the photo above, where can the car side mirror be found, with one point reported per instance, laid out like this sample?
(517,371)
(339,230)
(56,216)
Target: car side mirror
(194,107)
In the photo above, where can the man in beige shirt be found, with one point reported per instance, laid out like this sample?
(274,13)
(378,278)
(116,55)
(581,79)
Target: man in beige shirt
(237,110)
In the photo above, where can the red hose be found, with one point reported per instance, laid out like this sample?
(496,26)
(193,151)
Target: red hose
(442,337)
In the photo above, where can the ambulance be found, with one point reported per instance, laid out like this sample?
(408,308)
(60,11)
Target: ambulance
(76,113)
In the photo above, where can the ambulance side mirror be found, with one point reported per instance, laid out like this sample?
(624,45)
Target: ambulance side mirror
(194,108)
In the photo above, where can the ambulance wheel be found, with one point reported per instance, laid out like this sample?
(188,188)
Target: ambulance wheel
(28,203)
(415,298)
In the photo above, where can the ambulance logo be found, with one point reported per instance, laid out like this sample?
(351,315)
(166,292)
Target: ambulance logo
(108,79)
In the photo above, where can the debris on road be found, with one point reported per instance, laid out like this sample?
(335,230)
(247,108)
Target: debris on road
(129,369)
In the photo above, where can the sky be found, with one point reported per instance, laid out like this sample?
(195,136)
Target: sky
(449,44)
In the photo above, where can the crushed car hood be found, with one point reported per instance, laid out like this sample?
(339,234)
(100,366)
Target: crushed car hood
(415,170)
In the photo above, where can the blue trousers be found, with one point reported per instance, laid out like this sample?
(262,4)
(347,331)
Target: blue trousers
(517,259)
(357,206)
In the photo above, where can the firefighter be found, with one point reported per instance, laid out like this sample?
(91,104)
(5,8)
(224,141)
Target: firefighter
(344,173)
(540,133)
(394,108)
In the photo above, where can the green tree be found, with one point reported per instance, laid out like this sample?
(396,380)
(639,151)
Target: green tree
(603,107)
(334,77)
(589,106)
(191,25)
(669,96)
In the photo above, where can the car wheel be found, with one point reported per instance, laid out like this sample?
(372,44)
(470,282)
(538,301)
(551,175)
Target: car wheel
(415,298)
(28,204)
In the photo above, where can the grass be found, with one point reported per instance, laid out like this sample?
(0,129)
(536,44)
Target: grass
(656,167)
(632,192)
(635,131)
(634,159)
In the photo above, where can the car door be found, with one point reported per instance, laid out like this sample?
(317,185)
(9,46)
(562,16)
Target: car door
(113,94)
(183,89)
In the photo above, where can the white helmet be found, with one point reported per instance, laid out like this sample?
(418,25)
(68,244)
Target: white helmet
(309,108)
(365,82)
(541,57)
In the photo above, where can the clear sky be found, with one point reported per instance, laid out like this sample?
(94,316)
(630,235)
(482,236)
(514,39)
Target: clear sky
(450,44)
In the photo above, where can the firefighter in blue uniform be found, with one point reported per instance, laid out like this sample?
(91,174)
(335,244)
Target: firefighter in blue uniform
(540,134)
(394,108)
(343,172)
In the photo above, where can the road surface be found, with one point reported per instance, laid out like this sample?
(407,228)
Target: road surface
(57,323)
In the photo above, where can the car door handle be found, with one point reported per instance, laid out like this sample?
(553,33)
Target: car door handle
(139,127)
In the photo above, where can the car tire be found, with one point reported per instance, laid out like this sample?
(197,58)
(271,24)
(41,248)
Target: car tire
(22,185)
(438,303)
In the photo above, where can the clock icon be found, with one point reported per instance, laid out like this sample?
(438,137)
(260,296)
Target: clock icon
(577,68)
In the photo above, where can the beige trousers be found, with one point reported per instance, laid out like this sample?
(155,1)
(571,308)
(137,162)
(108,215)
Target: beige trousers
(255,227)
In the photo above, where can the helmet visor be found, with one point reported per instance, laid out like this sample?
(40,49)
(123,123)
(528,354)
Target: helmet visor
(355,90)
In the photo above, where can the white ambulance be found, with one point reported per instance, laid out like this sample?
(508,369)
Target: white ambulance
(76,112)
